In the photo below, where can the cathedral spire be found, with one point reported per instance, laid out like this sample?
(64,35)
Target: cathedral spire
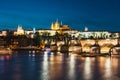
(52,26)
(61,22)
(34,30)
(57,20)
(86,28)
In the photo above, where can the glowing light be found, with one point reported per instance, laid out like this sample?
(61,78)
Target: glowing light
(33,54)
(2,58)
(72,67)
(87,69)
(7,57)
(72,58)
(108,71)
(20,31)
(29,54)
(45,53)
(45,67)
(52,57)
(33,51)
(52,53)
(47,49)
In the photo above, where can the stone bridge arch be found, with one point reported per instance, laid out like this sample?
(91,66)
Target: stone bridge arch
(115,50)
(106,47)
(105,44)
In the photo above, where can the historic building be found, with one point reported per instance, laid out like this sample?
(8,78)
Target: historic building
(20,31)
(55,27)
(60,28)
(60,34)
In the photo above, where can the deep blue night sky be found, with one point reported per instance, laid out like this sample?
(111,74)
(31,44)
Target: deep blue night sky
(95,14)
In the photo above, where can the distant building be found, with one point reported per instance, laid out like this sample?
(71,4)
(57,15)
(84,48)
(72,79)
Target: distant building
(58,26)
(62,29)
(34,30)
(3,33)
(55,27)
(20,31)
(86,28)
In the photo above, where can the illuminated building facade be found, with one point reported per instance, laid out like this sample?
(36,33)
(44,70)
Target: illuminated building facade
(20,31)
(3,33)
(57,37)
(58,26)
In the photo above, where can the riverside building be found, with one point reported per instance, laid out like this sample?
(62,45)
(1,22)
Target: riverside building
(87,39)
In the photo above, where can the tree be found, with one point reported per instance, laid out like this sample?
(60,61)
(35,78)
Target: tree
(23,41)
(37,39)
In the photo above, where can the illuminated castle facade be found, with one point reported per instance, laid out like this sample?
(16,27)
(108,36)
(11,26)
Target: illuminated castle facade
(20,31)
(62,29)
(58,26)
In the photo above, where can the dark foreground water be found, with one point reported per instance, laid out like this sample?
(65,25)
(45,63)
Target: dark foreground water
(58,67)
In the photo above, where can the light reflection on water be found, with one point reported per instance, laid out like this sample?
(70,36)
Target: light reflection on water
(108,72)
(87,68)
(71,65)
(48,66)
(45,67)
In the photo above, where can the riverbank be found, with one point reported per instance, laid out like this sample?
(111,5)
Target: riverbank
(5,51)
(26,49)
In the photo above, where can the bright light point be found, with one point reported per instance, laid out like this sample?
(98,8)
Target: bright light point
(33,51)
(33,55)
(45,53)
(108,71)
(72,59)
(52,53)
(87,69)
(29,54)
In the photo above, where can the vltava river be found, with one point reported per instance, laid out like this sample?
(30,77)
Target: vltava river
(46,66)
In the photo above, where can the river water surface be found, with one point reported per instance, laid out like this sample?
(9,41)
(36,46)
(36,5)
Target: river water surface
(25,66)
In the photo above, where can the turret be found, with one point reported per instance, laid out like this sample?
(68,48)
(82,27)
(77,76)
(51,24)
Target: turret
(52,26)
(20,30)
(86,29)
(55,26)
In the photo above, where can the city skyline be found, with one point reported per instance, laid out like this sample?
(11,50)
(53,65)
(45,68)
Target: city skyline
(95,14)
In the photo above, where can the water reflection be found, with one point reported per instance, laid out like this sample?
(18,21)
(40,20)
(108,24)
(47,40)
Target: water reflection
(87,68)
(108,65)
(72,67)
(115,61)
(2,58)
(48,66)
(2,64)
(45,67)
(17,69)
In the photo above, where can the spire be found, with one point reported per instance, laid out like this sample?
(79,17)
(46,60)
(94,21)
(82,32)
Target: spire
(57,20)
(61,22)
(86,28)
(52,25)
(34,30)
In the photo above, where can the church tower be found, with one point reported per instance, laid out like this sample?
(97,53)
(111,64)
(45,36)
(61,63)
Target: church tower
(52,26)
(20,30)
(86,29)
(55,26)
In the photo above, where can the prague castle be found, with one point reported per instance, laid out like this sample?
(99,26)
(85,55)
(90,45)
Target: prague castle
(61,29)
(55,27)
(58,26)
